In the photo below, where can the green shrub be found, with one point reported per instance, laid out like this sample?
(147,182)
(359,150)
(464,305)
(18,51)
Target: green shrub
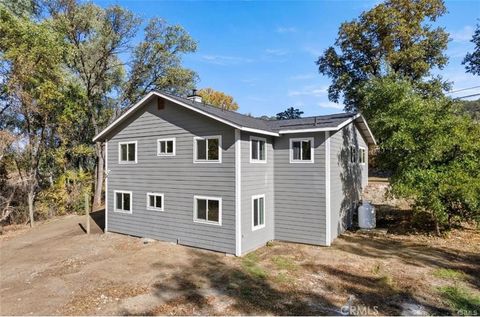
(461,300)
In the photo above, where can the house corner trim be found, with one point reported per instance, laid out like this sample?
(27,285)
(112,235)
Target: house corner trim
(328,224)
(106,187)
(238,193)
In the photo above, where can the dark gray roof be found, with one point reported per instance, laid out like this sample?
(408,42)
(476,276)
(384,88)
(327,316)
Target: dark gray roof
(249,123)
(231,116)
(326,121)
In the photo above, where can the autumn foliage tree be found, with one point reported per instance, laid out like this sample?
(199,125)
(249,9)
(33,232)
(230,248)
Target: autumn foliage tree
(35,89)
(96,37)
(218,99)
(68,68)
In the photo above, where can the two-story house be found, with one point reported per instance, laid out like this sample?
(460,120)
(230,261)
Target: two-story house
(182,171)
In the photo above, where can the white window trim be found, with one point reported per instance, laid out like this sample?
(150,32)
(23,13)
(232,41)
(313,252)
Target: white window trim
(258,139)
(195,218)
(166,140)
(364,154)
(219,137)
(312,145)
(155,208)
(115,201)
(264,212)
(120,152)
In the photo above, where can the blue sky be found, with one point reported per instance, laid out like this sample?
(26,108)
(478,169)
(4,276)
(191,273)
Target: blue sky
(263,53)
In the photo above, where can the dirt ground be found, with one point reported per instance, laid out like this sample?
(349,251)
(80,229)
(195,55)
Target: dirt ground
(56,268)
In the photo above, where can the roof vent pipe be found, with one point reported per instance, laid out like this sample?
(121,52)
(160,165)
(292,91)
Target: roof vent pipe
(315,121)
(194,96)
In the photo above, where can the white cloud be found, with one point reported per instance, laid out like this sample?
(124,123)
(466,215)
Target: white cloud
(302,76)
(225,60)
(464,35)
(311,90)
(312,50)
(276,52)
(284,29)
(330,105)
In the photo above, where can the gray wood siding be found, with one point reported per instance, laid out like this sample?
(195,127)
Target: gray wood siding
(256,179)
(347,180)
(300,193)
(177,177)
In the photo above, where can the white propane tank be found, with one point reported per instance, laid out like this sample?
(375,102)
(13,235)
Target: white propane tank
(366,216)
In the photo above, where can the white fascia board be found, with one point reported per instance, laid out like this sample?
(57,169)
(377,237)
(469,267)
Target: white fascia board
(346,122)
(307,130)
(140,103)
(122,117)
(259,131)
(368,129)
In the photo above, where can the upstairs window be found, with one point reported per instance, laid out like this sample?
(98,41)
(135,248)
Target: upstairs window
(301,150)
(155,201)
(166,147)
(258,152)
(127,152)
(207,149)
(357,155)
(353,154)
(123,201)
(258,209)
(208,210)
(361,155)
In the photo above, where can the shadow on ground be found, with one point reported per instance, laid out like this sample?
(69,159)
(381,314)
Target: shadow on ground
(97,222)
(208,285)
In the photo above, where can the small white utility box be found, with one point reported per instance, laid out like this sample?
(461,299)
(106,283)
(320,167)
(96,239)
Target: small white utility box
(366,216)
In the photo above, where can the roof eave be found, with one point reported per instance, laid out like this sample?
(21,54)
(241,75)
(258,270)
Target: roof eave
(124,116)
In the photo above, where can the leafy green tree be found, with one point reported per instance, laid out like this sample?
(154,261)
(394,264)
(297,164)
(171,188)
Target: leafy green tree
(31,58)
(472,60)
(96,37)
(217,99)
(290,113)
(22,8)
(393,36)
(470,107)
(157,62)
(431,150)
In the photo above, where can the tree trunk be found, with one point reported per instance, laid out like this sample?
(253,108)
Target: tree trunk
(99,152)
(437,228)
(31,198)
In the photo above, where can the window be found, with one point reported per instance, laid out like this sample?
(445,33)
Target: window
(301,150)
(258,209)
(258,152)
(166,147)
(155,201)
(207,149)
(127,152)
(207,210)
(123,202)
(353,154)
(361,155)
